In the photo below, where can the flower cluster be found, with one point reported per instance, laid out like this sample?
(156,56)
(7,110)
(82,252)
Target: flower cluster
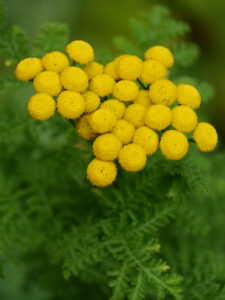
(128,108)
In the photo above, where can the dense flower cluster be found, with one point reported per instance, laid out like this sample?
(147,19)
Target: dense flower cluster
(128,107)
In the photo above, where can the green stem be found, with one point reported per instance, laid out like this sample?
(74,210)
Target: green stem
(142,85)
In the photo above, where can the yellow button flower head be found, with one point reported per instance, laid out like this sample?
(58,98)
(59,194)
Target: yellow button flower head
(146,138)
(125,90)
(129,67)
(101,173)
(124,131)
(70,104)
(80,51)
(28,68)
(188,95)
(161,54)
(93,69)
(158,117)
(92,101)
(206,137)
(132,158)
(174,145)
(41,106)
(47,82)
(107,147)
(102,120)
(102,85)
(134,114)
(117,107)
(143,98)
(84,128)
(163,92)
(184,118)
(74,79)
(152,70)
(111,70)
(55,61)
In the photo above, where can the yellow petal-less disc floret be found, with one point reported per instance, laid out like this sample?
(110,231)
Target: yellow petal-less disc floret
(101,173)
(111,70)
(102,85)
(146,138)
(206,137)
(74,79)
(163,92)
(117,107)
(91,100)
(102,120)
(41,106)
(132,158)
(55,61)
(84,128)
(124,131)
(80,51)
(70,104)
(93,69)
(143,98)
(188,95)
(28,68)
(161,54)
(152,70)
(184,118)
(47,82)
(129,67)
(125,90)
(107,147)
(134,114)
(158,117)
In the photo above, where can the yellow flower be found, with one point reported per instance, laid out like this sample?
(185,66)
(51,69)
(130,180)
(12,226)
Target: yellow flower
(102,120)
(47,82)
(55,61)
(146,138)
(93,69)
(124,131)
(143,98)
(152,70)
(174,145)
(184,118)
(161,54)
(206,137)
(41,106)
(80,51)
(84,128)
(158,117)
(134,114)
(102,85)
(125,90)
(101,173)
(117,107)
(74,79)
(70,104)
(132,158)
(188,95)
(111,70)
(163,92)
(107,147)
(28,68)
(91,100)
(129,67)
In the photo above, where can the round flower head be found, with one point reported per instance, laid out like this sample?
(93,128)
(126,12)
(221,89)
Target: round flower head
(132,158)
(129,67)
(107,147)
(117,107)
(70,104)
(28,68)
(147,139)
(74,79)
(111,70)
(143,98)
(184,118)
(102,120)
(47,82)
(163,92)
(101,173)
(158,117)
(80,51)
(102,85)
(135,114)
(161,54)
(91,100)
(174,145)
(125,90)
(93,69)
(188,95)
(55,61)
(152,70)
(124,131)
(41,106)
(206,137)
(84,128)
